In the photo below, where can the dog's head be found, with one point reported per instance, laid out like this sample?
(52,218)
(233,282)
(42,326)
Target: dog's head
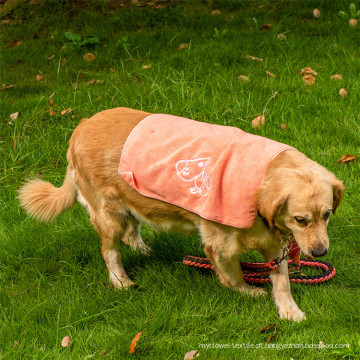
(299,198)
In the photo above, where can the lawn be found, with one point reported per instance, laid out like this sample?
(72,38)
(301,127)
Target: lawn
(184,59)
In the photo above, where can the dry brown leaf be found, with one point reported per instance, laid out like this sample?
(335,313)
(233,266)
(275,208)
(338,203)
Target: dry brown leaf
(284,127)
(249,57)
(265,27)
(16,344)
(343,93)
(66,341)
(336,77)
(13,44)
(5,87)
(243,78)
(216,12)
(91,82)
(146,66)
(111,70)
(134,342)
(353,22)
(271,74)
(317,13)
(259,121)
(66,111)
(89,57)
(308,71)
(51,102)
(308,80)
(190,355)
(14,116)
(39,77)
(183,46)
(346,158)
(63,48)
(52,112)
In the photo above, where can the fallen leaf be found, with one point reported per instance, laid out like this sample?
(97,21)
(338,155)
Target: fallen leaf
(52,112)
(281,37)
(91,82)
(134,342)
(316,13)
(190,355)
(259,121)
(216,12)
(16,344)
(271,74)
(146,66)
(336,77)
(249,57)
(111,70)
(63,48)
(270,327)
(13,44)
(343,93)
(353,22)
(265,27)
(5,87)
(66,341)
(283,127)
(89,57)
(308,80)
(66,111)
(183,46)
(346,158)
(51,102)
(308,71)
(39,77)
(243,78)
(14,116)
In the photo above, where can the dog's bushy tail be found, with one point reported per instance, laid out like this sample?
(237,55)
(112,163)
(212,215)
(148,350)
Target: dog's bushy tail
(43,201)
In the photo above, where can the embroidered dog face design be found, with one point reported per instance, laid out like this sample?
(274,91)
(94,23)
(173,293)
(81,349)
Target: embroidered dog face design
(195,171)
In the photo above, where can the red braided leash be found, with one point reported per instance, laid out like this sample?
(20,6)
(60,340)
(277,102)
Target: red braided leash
(257,272)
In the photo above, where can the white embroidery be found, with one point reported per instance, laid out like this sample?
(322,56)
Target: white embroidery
(195,170)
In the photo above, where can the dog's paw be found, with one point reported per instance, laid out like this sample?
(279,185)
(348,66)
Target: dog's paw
(251,290)
(122,283)
(292,314)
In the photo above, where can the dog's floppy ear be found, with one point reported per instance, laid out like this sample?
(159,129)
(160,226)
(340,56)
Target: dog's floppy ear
(338,192)
(269,201)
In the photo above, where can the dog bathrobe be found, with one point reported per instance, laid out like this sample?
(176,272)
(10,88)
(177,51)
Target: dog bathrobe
(211,170)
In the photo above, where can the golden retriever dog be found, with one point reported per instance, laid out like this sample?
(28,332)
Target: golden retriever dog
(295,198)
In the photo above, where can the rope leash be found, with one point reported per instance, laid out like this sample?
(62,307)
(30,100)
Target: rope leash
(257,272)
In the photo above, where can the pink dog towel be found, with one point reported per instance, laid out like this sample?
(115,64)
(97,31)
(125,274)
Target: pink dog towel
(210,170)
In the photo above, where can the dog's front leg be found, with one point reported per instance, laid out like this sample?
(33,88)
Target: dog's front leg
(287,307)
(220,248)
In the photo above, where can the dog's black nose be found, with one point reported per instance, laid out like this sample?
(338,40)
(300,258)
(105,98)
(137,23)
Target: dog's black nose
(317,252)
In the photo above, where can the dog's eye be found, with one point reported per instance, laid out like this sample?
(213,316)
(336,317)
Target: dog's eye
(300,220)
(327,215)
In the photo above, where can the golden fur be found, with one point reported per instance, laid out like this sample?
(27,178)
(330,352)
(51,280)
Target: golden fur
(296,197)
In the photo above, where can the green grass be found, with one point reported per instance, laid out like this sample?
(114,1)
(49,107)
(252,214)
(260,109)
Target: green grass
(53,280)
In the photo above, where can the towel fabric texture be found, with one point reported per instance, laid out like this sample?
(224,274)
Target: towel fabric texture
(210,170)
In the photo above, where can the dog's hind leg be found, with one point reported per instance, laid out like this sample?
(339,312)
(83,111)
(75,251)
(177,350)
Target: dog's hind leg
(133,238)
(112,228)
